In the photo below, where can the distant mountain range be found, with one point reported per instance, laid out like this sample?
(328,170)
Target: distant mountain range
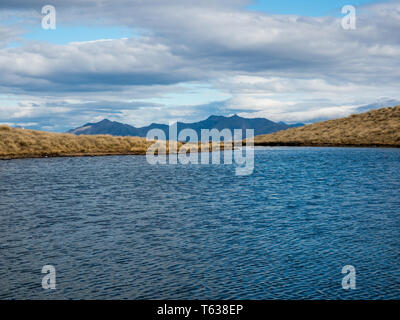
(378,128)
(260,126)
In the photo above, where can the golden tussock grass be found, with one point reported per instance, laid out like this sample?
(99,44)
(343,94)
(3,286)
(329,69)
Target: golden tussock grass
(24,143)
(379,128)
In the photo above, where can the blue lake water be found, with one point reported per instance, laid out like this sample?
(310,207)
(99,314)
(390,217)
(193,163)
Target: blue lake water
(117,227)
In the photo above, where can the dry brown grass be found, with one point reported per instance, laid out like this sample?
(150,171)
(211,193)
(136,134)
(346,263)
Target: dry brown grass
(379,128)
(23,143)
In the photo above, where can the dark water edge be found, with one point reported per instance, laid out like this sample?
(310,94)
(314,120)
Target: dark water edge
(324,145)
(118,228)
(256,144)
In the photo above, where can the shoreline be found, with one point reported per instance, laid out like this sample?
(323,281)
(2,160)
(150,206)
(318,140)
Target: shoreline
(108,154)
(67,155)
(324,145)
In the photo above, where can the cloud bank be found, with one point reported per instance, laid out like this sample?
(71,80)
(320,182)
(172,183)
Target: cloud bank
(283,67)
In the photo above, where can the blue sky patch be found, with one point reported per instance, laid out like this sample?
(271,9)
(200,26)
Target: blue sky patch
(313,8)
(66,34)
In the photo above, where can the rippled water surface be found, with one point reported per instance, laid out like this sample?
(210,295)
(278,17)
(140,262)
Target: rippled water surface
(117,227)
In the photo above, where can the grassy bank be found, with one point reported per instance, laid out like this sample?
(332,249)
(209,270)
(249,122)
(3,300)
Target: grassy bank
(23,143)
(376,128)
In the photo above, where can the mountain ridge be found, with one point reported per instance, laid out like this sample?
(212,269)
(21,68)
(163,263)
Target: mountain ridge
(260,126)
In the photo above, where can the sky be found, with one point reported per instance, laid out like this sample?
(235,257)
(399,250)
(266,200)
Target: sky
(140,62)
